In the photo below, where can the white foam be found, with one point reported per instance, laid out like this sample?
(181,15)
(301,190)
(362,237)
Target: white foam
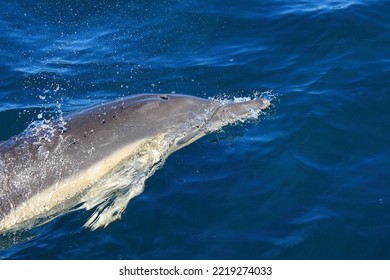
(113,192)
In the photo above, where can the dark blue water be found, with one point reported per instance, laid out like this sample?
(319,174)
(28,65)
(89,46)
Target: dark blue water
(311,180)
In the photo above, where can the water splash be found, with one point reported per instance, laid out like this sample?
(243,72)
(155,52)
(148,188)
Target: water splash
(112,194)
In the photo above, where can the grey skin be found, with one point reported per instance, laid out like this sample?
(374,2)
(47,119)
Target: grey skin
(43,156)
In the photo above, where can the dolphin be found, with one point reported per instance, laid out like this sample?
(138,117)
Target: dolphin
(100,157)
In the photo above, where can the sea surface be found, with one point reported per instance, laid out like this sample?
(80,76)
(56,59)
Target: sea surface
(309,180)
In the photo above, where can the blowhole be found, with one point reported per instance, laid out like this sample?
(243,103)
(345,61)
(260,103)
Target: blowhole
(164,97)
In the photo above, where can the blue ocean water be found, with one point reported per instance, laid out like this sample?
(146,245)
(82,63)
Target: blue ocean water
(309,181)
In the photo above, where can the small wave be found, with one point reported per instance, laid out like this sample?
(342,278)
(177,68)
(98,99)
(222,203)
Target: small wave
(318,6)
(313,215)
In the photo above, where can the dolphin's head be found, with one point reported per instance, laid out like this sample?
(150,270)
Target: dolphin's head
(233,112)
(198,116)
(183,118)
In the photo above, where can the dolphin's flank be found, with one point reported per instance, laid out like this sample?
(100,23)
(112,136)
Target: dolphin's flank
(100,158)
